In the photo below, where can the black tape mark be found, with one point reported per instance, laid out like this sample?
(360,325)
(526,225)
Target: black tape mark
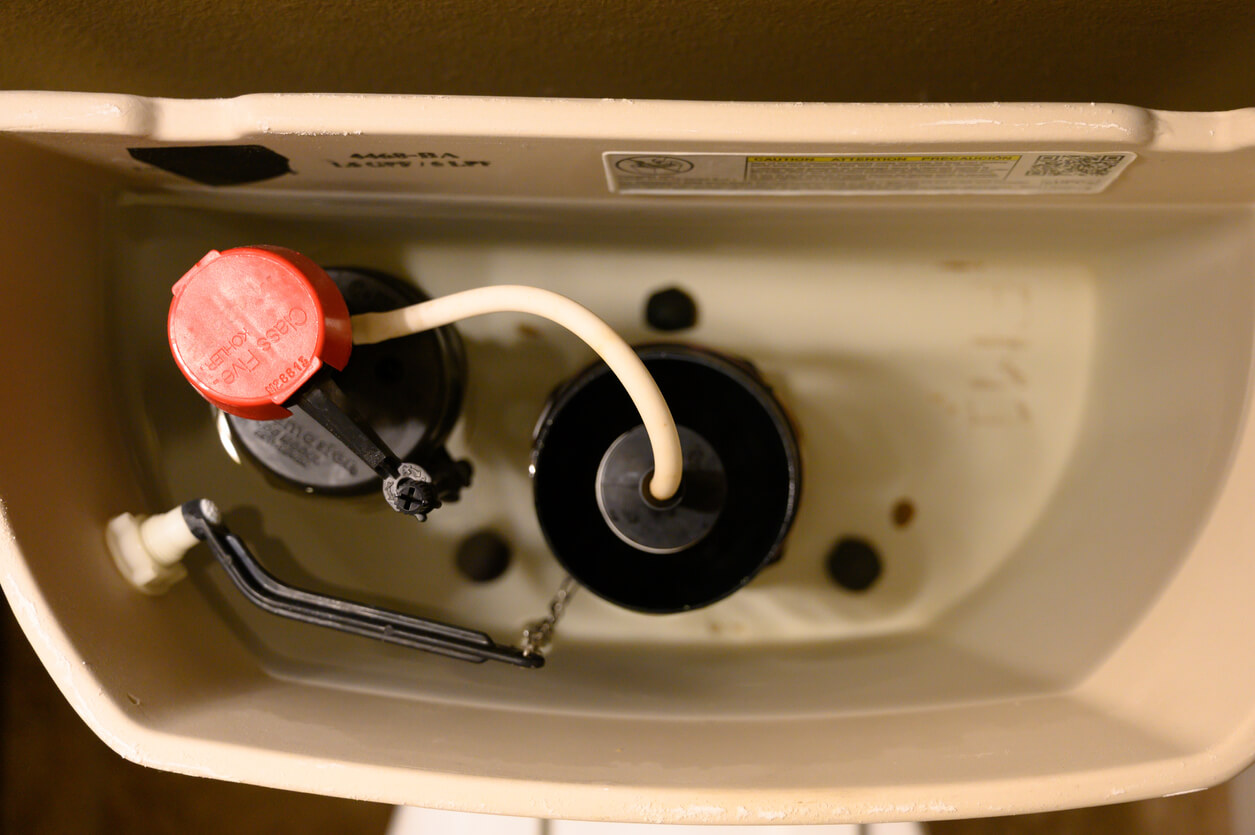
(216,165)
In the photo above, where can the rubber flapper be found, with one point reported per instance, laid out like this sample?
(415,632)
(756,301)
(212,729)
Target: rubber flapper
(249,326)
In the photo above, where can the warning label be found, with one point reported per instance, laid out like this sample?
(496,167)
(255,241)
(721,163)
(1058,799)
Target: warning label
(1066,172)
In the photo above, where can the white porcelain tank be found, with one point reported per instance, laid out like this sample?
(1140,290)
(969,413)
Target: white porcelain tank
(1029,323)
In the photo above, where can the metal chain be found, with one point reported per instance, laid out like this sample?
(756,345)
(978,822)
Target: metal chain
(538,634)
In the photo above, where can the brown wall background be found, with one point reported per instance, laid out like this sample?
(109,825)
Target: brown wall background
(1184,54)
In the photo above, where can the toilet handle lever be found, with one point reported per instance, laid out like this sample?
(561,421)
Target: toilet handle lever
(271,594)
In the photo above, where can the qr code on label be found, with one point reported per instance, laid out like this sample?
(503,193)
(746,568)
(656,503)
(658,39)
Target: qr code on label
(1074,165)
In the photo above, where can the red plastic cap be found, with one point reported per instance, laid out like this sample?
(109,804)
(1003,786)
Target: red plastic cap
(250,325)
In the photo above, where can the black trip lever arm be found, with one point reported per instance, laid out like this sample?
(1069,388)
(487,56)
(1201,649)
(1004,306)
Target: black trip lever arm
(266,591)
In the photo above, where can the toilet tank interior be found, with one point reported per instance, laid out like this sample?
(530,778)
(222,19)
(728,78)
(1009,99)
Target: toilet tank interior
(1024,400)
(1034,407)
(1054,385)
(1056,390)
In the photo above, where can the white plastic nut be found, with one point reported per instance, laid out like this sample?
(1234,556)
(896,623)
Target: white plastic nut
(147,549)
